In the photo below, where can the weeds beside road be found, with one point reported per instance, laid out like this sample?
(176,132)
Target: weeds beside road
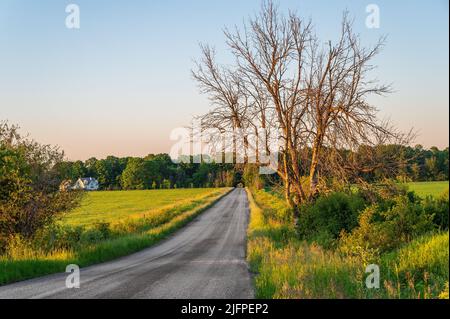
(287,265)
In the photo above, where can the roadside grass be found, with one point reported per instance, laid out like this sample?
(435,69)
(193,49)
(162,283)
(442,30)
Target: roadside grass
(127,236)
(419,269)
(287,267)
(424,189)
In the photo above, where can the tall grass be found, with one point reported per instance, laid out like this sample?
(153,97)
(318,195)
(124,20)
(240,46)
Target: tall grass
(286,267)
(25,261)
(419,269)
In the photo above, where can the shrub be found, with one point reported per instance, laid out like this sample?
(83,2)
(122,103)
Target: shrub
(91,236)
(328,216)
(19,247)
(382,193)
(365,241)
(104,229)
(440,209)
(99,231)
(407,220)
(382,229)
(29,196)
(57,237)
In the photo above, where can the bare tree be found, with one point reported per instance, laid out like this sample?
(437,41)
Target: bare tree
(225,92)
(316,94)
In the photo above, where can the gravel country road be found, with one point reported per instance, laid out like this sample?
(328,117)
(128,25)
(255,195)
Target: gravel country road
(205,259)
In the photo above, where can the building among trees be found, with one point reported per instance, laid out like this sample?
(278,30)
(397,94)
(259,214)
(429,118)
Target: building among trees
(86,183)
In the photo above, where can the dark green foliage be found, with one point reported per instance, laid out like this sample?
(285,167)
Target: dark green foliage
(426,165)
(135,175)
(382,227)
(57,237)
(323,220)
(92,236)
(151,172)
(29,196)
(439,208)
(406,220)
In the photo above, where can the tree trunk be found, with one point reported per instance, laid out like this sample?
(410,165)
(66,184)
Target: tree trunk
(313,180)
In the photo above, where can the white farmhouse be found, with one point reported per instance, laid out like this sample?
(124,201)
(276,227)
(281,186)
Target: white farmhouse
(86,183)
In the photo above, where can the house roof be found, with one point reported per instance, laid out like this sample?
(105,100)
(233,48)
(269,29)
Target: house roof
(88,180)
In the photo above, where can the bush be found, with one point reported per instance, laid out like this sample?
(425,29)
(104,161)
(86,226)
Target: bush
(104,229)
(91,236)
(382,229)
(325,219)
(407,220)
(64,237)
(29,183)
(440,209)
(382,193)
(100,231)
(57,237)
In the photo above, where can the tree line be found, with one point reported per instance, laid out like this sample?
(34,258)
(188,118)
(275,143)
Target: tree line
(157,171)
(154,171)
(424,164)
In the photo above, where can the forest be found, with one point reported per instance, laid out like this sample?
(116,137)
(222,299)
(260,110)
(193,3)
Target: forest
(156,171)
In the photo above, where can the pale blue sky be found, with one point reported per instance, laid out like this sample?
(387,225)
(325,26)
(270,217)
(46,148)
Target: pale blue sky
(122,82)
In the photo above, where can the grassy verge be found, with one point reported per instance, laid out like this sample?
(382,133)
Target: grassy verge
(286,267)
(419,269)
(24,262)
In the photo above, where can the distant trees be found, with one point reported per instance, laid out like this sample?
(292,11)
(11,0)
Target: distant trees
(427,165)
(135,175)
(153,171)
(159,171)
(109,170)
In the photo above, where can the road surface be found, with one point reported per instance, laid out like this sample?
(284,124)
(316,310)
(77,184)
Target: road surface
(205,259)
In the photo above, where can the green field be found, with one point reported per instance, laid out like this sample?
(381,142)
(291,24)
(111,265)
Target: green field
(428,188)
(112,206)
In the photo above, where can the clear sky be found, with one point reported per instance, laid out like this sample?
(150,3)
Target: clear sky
(121,83)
